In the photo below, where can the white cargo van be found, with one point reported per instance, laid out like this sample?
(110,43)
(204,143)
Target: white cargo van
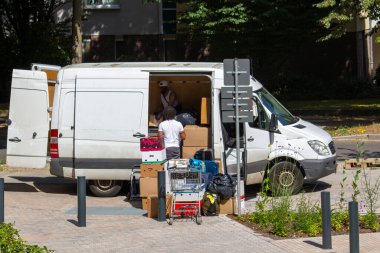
(101,110)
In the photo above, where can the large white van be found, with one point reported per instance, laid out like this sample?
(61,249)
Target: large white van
(101,110)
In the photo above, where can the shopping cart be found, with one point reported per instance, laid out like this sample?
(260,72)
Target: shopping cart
(185,181)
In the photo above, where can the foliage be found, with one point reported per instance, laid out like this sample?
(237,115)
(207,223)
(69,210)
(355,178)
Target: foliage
(370,193)
(29,34)
(10,242)
(343,12)
(339,220)
(370,221)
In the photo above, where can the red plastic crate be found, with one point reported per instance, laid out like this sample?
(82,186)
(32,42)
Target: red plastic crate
(152,143)
(186,211)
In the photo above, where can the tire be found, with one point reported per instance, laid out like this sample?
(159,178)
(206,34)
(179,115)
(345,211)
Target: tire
(285,178)
(105,188)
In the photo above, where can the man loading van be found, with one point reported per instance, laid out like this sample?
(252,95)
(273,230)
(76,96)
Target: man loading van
(172,131)
(168,97)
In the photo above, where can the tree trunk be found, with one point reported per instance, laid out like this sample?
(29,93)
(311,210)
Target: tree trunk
(77,32)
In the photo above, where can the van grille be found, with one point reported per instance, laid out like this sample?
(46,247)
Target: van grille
(332,147)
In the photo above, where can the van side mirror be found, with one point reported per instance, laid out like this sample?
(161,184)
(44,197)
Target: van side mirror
(273,124)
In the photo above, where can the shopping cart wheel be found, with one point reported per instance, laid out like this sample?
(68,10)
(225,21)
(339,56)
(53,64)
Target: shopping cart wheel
(170,221)
(198,219)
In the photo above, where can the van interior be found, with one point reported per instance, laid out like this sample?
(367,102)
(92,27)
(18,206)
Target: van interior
(191,90)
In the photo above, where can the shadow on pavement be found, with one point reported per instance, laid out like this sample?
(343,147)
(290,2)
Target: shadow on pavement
(50,184)
(19,187)
(315,244)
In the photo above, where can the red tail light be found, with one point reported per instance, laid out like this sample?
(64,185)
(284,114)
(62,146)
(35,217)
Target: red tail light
(54,143)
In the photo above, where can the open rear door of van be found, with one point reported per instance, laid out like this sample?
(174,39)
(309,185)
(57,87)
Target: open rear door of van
(28,123)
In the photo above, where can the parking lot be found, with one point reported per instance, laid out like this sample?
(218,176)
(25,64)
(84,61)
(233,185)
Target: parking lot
(43,208)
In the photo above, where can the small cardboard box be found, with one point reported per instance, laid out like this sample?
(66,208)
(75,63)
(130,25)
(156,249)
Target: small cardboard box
(188,152)
(152,205)
(144,203)
(206,111)
(220,166)
(148,186)
(227,206)
(151,170)
(153,122)
(197,136)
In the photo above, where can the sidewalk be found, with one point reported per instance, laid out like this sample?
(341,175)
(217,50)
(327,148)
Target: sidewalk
(43,208)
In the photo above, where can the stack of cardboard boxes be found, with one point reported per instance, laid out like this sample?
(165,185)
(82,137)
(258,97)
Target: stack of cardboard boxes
(198,137)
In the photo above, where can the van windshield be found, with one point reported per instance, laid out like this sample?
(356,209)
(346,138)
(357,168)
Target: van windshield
(271,103)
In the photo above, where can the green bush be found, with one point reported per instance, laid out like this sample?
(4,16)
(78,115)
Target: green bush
(11,242)
(370,221)
(339,220)
(308,219)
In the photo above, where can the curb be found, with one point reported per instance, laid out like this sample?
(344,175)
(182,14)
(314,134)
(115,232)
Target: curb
(359,136)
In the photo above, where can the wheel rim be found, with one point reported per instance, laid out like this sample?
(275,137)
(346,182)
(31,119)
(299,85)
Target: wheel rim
(286,178)
(105,185)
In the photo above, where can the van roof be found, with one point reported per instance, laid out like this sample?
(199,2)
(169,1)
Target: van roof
(149,65)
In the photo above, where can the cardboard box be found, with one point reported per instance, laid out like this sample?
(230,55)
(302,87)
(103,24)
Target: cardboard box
(227,206)
(152,206)
(148,186)
(153,122)
(197,136)
(144,203)
(188,152)
(206,111)
(220,166)
(153,156)
(151,170)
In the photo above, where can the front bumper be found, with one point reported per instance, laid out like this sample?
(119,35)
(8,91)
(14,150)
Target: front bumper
(316,169)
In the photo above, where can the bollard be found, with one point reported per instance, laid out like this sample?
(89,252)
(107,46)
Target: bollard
(1,200)
(326,220)
(354,226)
(161,196)
(81,191)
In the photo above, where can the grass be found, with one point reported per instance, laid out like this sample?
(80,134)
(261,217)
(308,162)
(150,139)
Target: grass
(3,165)
(354,130)
(351,104)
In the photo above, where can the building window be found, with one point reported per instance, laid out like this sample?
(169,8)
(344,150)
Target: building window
(101,4)
(169,17)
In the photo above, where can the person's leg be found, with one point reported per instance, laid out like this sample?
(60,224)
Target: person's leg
(173,153)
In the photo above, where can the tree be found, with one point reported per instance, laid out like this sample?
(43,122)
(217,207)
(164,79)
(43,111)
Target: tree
(77,32)
(30,34)
(343,12)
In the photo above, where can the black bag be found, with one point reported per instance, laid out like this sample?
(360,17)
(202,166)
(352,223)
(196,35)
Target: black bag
(210,204)
(223,185)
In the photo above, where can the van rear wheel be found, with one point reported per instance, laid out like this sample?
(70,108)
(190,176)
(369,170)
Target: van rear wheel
(285,178)
(105,188)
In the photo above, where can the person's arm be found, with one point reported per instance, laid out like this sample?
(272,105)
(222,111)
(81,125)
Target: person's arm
(182,135)
(160,134)
(172,98)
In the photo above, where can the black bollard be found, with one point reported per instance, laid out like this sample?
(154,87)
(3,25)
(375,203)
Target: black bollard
(1,200)
(326,220)
(161,196)
(354,226)
(81,191)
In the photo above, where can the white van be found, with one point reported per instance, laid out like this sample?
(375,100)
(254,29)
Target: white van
(101,110)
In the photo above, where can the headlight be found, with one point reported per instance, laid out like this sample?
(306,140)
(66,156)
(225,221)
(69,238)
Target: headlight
(319,147)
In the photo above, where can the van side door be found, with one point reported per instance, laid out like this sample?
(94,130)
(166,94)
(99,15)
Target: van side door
(28,123)
(257,144)
(111,115)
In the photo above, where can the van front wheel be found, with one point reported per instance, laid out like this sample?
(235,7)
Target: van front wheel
(285,178)
(105,188)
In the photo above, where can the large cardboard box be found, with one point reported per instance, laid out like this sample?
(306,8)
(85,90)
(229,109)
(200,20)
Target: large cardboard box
(227,206)
(220,166)
(152,205)
(206,111)
(197,136)
(148,186)
(188,152)
(144,203)
(151,170)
